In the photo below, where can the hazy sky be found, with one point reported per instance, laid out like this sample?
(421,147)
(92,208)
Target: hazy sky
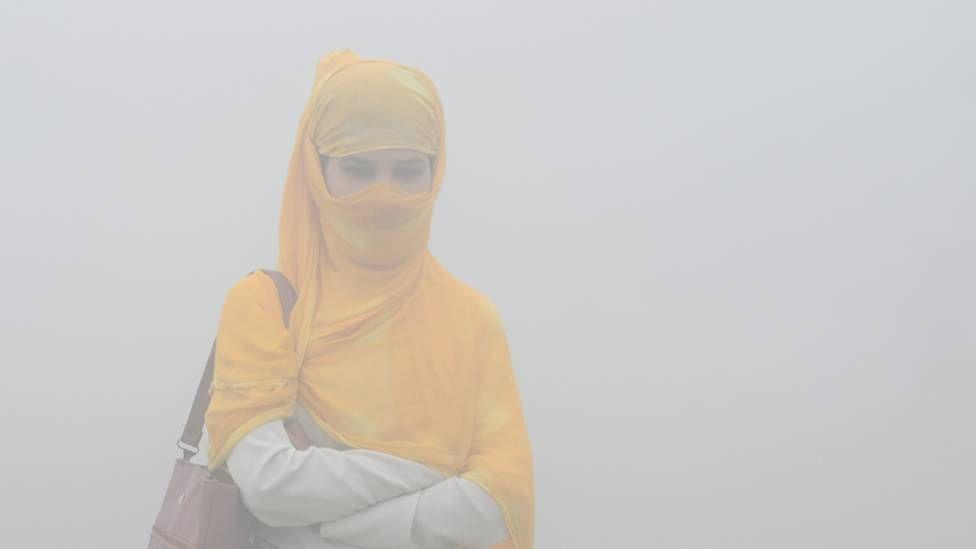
(732,244)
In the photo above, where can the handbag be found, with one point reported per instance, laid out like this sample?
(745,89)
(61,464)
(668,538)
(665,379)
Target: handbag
(204,509)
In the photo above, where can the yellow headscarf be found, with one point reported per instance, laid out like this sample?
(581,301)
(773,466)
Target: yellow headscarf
(384,347)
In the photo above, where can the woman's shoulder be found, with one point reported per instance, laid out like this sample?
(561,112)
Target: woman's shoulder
(253,292)
(251,322)
(472,302)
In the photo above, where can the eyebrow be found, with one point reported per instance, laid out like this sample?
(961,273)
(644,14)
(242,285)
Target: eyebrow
(355,160)
(411,161)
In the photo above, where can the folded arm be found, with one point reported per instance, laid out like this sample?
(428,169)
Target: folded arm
(453,513)
(284,486)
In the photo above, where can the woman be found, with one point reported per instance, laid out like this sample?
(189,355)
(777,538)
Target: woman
(398,372)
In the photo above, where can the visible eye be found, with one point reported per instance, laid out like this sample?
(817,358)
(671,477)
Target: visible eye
(359,171)
(408,173)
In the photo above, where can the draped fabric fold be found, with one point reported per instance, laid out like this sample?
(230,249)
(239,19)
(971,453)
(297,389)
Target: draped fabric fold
(385,348)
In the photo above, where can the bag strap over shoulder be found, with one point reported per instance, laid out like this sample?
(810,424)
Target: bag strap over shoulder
(193,430)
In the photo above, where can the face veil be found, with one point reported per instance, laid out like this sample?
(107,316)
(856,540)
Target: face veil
(385,348)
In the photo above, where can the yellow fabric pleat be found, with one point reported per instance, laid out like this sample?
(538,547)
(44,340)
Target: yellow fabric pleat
(385,348)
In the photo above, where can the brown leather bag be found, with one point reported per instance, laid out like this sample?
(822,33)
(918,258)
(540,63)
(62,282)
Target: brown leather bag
(203,509)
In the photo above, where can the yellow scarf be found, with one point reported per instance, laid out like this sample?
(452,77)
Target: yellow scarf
(385,348)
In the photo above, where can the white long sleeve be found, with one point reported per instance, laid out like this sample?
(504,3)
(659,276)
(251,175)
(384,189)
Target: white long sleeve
(453,513)
(284,486)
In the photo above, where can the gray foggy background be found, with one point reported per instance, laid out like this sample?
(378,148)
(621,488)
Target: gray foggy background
(732,243)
